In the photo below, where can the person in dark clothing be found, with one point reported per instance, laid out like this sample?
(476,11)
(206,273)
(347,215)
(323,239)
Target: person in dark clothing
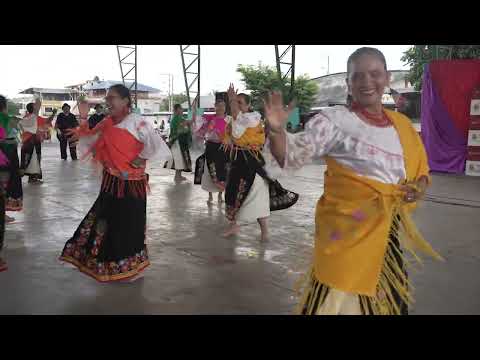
(97,117)
(66,120)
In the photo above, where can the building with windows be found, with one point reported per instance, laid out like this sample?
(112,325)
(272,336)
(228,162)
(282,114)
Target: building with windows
(51,99)
(149,99)
(332,88)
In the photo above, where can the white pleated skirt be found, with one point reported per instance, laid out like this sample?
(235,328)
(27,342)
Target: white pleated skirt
(207,184)
(257,203)
(177,157)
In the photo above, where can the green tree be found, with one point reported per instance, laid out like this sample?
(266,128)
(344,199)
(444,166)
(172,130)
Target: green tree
(177,99)
(419,55)
(13,108)
(261,79)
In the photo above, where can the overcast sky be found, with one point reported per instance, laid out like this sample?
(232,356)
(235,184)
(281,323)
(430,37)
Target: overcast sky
(24,66)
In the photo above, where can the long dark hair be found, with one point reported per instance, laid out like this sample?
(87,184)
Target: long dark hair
(123,92)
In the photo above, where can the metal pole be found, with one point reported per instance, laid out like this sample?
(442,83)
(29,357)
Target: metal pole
(135,76)
(185,76)
(292,73)
(120,63)
(168,92)
(277,58)
(171,97)
(198,88)
(328,65)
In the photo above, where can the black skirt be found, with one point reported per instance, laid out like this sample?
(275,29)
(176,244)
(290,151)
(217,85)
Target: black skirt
(109,244)
(244,165)
(28,147)
(216,161)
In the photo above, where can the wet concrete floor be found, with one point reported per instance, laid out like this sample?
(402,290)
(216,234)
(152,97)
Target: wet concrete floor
(195,270)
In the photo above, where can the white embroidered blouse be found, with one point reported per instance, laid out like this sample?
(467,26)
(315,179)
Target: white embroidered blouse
(371,151)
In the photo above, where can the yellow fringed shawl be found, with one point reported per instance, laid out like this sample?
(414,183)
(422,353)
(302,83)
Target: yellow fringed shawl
(251,140)
(355,214)
(252,137)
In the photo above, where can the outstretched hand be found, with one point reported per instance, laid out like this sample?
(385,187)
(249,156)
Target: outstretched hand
(72,134)
(232,93)
(233,100)
(276,113)
(195,102)
(37,105)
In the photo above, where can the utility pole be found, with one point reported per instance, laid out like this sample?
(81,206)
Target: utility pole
(282,59)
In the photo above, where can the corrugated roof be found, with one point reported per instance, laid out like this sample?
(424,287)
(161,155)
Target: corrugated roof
(47,91)
(105,85)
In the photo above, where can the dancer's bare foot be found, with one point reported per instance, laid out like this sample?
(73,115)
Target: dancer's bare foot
(233,230)
(210,199)
(9,219)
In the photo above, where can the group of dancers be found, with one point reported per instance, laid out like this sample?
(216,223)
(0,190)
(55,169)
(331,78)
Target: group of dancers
(377,171)
(30,131)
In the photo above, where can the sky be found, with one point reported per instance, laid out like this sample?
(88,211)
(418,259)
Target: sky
(52,66)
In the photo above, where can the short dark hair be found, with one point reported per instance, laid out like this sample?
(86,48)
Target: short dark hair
(123,91)
(3,103)
(30,108)
(98,106)
(176,107)
(219,101)
(65,105)
(365,51)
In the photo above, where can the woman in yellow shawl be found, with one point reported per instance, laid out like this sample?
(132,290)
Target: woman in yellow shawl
(376,172)
(251,193)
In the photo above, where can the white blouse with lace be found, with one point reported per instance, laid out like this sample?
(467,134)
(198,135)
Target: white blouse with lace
(245,121)
(29,123)
(370,151)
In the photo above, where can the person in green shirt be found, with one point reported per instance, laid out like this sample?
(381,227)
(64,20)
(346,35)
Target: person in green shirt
(4,171)
(9,146)
(180,141)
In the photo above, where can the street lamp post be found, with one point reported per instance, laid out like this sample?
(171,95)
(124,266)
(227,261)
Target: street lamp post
(170,91)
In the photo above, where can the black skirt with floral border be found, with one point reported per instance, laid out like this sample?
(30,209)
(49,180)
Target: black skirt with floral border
(216,161)
(109,244)
(244,165)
